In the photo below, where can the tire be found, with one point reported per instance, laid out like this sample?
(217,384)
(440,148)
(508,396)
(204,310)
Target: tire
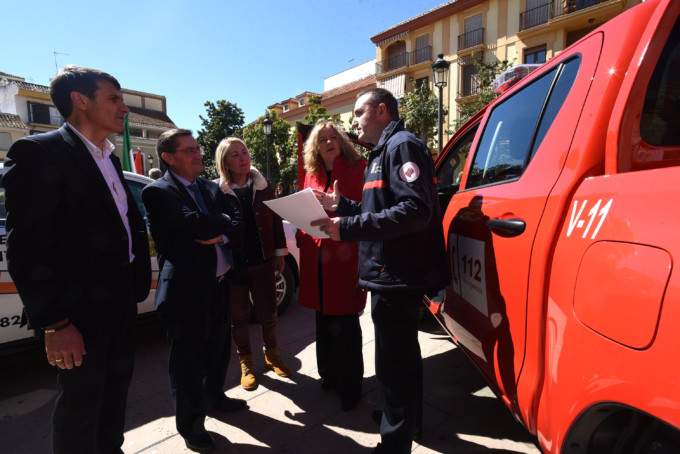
(285,290)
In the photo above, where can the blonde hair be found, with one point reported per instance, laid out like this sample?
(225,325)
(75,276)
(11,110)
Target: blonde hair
(313,161)
(221,155)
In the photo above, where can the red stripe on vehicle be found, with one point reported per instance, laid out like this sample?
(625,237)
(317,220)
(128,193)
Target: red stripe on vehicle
(7,287)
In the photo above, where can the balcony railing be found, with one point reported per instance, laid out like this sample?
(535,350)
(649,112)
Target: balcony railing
(471,39)
(552,9)
(421,55)
(470,87)
(403,60)
(536,16)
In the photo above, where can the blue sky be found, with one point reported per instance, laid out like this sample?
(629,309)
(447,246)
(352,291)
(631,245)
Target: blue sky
(252,53)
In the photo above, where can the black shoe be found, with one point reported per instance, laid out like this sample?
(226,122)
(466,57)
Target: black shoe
(200,442)
(229,405)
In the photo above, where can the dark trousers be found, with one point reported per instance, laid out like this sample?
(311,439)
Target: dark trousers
(339,357)
(398,366)
(89,415)
(262,287)
(199,356)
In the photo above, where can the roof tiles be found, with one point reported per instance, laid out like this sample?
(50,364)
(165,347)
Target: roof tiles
(11,121)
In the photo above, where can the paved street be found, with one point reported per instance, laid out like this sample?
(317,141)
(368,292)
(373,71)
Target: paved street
(293,415)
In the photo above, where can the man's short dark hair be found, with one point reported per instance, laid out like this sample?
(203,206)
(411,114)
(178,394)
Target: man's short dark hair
(76,78)
(381,96)
(166,142)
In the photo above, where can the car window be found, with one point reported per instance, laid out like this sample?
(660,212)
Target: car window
(136,190)
(660,120)
(557,98)
(516,127)
(450,171)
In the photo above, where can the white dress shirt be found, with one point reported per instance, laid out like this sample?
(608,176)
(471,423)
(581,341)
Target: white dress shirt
(108,171)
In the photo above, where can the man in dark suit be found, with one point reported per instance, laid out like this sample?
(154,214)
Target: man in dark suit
(78,252)
(193,225)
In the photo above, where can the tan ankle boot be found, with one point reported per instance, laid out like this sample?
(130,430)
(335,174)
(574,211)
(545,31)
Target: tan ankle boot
(274,362)
(248,380)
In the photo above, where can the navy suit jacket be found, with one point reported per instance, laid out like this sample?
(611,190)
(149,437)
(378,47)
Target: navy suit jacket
(186,282)
(67,247)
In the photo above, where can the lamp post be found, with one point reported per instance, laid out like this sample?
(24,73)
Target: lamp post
(150,161)
(440,68)
(267,128)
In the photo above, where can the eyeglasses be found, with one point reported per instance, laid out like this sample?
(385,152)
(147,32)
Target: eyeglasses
(196,150)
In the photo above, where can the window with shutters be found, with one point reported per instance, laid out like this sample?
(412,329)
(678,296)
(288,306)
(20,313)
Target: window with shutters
(423,50)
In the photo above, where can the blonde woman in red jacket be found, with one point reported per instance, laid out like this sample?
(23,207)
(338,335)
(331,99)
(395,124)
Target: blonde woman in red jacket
(328,269)
(263,251)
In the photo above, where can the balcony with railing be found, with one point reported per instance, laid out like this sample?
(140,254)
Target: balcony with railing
(542,14)
(471,39)
(469,85)
(404,60)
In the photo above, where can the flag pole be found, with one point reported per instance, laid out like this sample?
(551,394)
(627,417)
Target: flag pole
(127,146)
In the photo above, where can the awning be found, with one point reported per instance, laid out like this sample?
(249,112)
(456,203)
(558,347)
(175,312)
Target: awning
(394,84)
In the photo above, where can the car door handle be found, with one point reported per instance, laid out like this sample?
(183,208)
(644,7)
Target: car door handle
(506,228)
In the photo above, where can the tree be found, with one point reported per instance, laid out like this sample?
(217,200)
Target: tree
(486,73)
(317,113)
(420,109)
(282,156)
(223,120)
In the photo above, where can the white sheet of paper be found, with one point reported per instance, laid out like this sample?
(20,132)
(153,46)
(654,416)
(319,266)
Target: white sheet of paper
(300,209)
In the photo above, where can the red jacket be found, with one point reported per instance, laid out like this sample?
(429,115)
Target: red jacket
(340,259)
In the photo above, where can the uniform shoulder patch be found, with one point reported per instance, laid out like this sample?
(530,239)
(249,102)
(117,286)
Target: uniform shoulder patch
(409,172)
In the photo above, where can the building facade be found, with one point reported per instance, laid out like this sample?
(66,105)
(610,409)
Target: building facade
(520,31)
(11,129)
(148,119)
(338,97)
(293,109)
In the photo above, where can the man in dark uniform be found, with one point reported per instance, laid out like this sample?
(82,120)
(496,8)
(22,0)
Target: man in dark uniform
(78,252)
(401,255)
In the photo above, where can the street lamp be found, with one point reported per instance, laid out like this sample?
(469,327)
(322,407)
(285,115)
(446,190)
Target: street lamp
(441,74)
(150,161)
(267,128)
